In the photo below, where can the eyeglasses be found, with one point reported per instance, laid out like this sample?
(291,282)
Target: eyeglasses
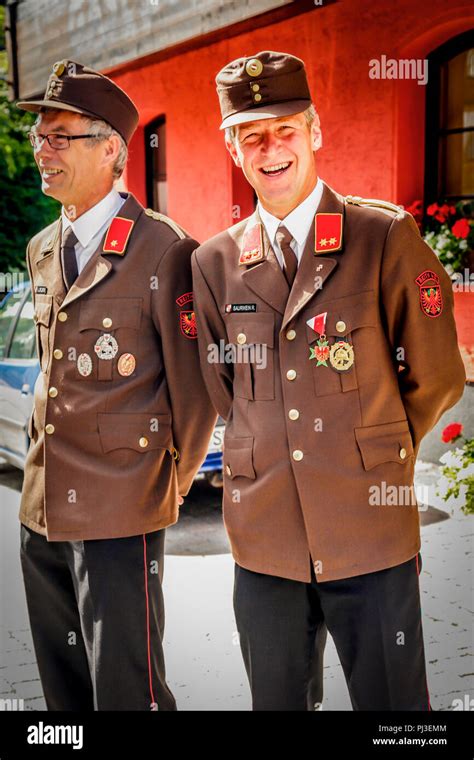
(58,142)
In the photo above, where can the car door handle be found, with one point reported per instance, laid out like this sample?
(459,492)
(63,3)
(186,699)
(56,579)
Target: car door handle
(25,389)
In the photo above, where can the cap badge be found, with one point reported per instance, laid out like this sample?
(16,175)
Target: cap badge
(254,67)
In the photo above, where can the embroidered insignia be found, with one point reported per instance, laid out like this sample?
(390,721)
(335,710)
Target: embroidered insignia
(187,321)
(184,299)
(252,246)
(431,299)
(327,233)
(117,235)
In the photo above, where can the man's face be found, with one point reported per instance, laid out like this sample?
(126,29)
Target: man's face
(76,175)
(277,157)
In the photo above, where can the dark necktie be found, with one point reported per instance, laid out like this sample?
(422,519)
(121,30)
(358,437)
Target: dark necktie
(284,238)
(68,257)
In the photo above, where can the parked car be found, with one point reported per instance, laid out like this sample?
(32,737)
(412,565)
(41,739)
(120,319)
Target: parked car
(19,369)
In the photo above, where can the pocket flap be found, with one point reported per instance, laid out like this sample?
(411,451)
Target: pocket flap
(140,432)
(42,313)
(257,328)
(390,442)
(123,312)
(355,311)
(238,458)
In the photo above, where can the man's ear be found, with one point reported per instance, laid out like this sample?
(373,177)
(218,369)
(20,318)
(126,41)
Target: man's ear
(316,134)
(233,152)
(112,149)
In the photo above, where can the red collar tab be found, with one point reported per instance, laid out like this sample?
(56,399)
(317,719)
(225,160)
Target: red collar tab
(327,233)
(117,235)
(252,246)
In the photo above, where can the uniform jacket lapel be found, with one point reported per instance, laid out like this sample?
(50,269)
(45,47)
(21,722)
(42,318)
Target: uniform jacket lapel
(266,278)
(48,261)
(48,264)
(314,269)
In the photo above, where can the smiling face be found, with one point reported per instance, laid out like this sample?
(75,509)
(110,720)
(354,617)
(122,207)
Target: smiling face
(277,157)
(81,175)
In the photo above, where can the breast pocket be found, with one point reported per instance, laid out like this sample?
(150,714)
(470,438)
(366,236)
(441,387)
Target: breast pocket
(42,319)
(251,343)
(350,320)
(109,332)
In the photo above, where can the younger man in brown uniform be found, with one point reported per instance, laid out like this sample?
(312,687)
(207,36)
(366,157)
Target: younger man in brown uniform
(121,418)
(338,320)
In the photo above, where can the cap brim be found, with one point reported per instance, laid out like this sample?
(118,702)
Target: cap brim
(273,111)
(35,106)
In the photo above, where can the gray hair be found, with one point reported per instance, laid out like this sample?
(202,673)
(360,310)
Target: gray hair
(103,130)
(309,114)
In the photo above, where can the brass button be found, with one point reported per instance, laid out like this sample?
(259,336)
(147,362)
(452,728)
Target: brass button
(143,442)
(291,374)
(57,353)
(53,392)
(341,326)
(293,414)
(257,97)
(291,335)
(62,316)
(107,322)
(255,87)
(35,317)
(228,470)
(254,67)
(403,453)
(49,429)
(241,338)
(297,455)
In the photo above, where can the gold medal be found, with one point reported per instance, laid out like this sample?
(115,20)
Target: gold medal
(106,347)
(126,365)
(341,356)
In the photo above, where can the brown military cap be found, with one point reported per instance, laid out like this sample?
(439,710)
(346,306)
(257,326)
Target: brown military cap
(77,88)
(262,86)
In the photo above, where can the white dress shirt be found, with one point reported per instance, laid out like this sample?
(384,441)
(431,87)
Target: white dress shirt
(91,226)
(298,223)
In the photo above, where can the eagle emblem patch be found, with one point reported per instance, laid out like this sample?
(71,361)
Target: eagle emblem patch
(431,300)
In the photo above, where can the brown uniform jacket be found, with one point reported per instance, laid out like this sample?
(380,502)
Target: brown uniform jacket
(111,452)
(303,451)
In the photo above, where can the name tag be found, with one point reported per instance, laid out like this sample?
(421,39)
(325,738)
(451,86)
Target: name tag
(41,289)
(240,307)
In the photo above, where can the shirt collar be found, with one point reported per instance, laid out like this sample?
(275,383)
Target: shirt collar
(299,221)
(88,224)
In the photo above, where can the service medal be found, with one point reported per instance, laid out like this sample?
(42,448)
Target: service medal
(341,356)
(126,365)
(84,365)
(320,352)
(106,347)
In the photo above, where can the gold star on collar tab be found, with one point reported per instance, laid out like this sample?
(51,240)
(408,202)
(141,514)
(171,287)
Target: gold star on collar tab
(252,246)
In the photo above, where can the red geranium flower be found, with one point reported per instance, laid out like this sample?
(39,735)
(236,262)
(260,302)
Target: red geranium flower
(431,210)
(451,432)
(461,228)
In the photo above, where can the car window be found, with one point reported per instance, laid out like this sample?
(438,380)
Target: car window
(24,340)
(8,313)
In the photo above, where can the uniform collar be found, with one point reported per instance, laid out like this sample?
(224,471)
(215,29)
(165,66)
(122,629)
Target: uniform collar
(299,221)
(92,221)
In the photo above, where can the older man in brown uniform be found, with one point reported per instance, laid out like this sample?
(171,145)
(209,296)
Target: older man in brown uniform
(121,418)
(328,343)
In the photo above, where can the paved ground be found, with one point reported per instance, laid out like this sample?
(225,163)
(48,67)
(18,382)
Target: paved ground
(205,669)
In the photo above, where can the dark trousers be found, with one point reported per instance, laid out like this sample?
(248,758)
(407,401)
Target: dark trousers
(97,619)
(374,619)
